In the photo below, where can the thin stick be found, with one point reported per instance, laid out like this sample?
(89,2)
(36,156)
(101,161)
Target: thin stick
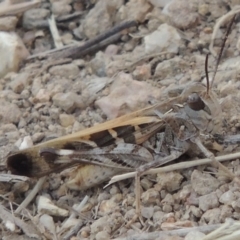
(32,194)
(4,177)
(220,21)
(6,10)
(54,31)
(163,234)
(177,166)
(75,51)
(222,47)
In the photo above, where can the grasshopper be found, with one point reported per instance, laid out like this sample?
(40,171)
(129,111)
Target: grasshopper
(140,140)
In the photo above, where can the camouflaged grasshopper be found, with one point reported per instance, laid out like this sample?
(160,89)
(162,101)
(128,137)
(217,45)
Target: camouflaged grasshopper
(140,140)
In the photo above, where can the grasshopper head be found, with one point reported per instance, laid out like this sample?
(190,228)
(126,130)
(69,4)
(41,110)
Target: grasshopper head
(203,108)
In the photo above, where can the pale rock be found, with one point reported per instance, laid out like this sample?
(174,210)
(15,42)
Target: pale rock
(22,123)
(8,23)
(67,38)
(158,217)
(66,70)
(38,137)
(146,183)
(67,101)
(182,14)
(12,52)
(236,205)
(142,72)
(3,141)
(102,235)
(135,10)
(150,196)
(10,226)
(98,64)
(42,96)
(227,198)
(91,87)
(9,127)
(100,225)
(194,235)
(203,9)
(26,143)
(77,126)
(203,183)
(108,206)
(19,82)
(170,181)
(36,85)
(159,3)
(47,221)
(165,39)
(60,8)
(208,201)
(147,212)
(99,18)
(33,16)
(211,216)
(170,68)
(226,212)
(126,95)
(66,120)
(9,112)
(45,205)
(111,50)
(185,192)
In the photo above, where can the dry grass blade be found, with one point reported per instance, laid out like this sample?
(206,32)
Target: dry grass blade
(32,194)
(27,228)
(220,21)
(222,47)
(6,10)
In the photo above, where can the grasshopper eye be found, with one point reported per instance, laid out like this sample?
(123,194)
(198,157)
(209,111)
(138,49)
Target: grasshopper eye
(195,102)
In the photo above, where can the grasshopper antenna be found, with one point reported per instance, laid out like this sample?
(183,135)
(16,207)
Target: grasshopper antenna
(206,73)
(219,56)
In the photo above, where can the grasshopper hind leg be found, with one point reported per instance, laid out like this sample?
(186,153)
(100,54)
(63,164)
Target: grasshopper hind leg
(210,155)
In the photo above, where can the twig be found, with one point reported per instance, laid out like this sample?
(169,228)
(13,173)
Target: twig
(230,230)
(77,208)
(163,234)
(31,195)
(220,21)
(69,16)
(177,166)
(27,228)
(77,50)
(6,10)
(54,31)
(4,177)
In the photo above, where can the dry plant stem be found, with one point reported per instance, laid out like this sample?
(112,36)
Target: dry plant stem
(54,31)
(28,229)
(73,231)
(32,194)
(73,214)
(162,235)
(76,50)
(178,166)
(6,10)
(12,178)
(230,230)
(221,21)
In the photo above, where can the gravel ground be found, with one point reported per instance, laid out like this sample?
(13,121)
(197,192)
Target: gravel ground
(53,96)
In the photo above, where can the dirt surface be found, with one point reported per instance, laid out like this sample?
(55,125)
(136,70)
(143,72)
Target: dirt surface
(54,95)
